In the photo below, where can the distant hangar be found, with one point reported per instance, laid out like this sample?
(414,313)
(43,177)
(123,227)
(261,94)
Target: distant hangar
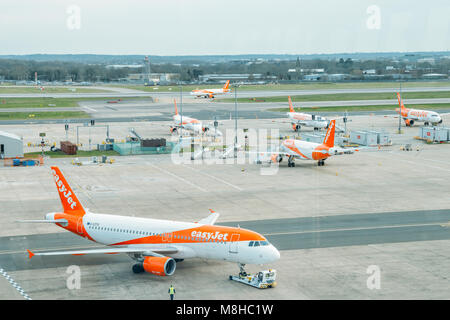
(11,146)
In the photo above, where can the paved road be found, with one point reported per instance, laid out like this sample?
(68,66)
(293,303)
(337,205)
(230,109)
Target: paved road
(285,234)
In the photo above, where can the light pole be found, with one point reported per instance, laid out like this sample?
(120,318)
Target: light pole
(400,112)
(235,120)
(181,111)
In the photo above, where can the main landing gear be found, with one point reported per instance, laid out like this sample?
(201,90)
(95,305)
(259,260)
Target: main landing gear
(291,162)
(321,162)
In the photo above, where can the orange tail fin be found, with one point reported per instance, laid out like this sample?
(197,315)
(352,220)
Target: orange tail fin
(400,101)
(291,108)
(176,109)
(69,200)
(225,87)
(329,137)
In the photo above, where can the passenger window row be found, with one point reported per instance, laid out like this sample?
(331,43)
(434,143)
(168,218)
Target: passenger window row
(153,234)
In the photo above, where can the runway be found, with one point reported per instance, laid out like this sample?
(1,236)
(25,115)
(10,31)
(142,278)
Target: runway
(285,234)
(123,92)
(129,111)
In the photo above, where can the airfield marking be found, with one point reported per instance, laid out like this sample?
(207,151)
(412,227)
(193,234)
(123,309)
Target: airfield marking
(177,177)
(442,224)
(14,284)
(215,178)
(93,110)
(415,163)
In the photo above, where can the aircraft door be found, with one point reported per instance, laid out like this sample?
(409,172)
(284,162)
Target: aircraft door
(167,237)
(234,243)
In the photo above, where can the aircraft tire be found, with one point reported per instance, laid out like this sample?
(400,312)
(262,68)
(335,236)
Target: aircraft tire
(138,268)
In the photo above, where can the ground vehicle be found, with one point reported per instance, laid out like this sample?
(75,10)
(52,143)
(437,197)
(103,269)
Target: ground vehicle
(263,279)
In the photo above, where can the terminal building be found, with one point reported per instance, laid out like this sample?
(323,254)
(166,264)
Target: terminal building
(11,146)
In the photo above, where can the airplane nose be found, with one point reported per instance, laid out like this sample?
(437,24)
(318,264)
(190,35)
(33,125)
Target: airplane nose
(275,254)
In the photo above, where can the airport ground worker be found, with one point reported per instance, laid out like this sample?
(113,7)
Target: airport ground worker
(171,292)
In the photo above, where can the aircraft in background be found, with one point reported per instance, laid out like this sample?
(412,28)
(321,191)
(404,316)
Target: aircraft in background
(191,124)
(210,93)
(304,150)
(155,245)
(299,119)
(410,115)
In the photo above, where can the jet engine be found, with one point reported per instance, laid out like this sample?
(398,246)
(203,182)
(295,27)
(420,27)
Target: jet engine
(161,266)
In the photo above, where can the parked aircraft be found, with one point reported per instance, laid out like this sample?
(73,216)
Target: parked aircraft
(210,93)
(191,124)
(410,115)
(304,150)
(299,119)
(155,245)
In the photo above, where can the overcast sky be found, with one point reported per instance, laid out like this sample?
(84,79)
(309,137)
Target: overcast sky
(198,27)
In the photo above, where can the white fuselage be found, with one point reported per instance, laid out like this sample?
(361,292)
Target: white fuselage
(308,120)
(209,92)
(190,239)
(305,150)
(188,123)
(421,115)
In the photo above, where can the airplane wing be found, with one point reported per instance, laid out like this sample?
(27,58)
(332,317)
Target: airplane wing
(301,122)
(269,156)
(211,219)
(144,251)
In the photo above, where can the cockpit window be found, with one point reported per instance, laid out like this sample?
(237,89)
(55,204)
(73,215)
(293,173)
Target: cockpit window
(264,243)
(256,244)
(250,244)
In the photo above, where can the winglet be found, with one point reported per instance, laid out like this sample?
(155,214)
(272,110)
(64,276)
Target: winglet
(176,109)
(211,219)
(291,108)
(30,254)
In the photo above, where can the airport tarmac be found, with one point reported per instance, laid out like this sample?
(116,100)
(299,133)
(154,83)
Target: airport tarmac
(388,208)
(126,92)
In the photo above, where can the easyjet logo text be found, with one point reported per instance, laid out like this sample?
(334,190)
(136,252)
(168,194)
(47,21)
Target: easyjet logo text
(62,189)
(210,235)
(420,114)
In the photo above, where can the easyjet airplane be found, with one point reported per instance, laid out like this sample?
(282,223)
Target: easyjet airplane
(190,124)
(210,93)
(411,115)
(299,119)
(304,150)
(155,245)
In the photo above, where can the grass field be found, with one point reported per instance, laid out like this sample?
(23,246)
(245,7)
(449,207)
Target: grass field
(345,97)
(52,102)
(36,89)
(80,154)
(361,108)
(43,115)
(301,86)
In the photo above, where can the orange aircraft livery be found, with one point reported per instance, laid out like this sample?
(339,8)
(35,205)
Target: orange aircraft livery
(156,245)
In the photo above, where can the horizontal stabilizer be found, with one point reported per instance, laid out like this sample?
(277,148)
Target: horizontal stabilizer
(43,221)
(144,251)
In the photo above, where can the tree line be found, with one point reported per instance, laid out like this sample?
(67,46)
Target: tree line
(11,69)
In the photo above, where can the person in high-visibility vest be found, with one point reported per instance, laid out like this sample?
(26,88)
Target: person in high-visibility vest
(171,292)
